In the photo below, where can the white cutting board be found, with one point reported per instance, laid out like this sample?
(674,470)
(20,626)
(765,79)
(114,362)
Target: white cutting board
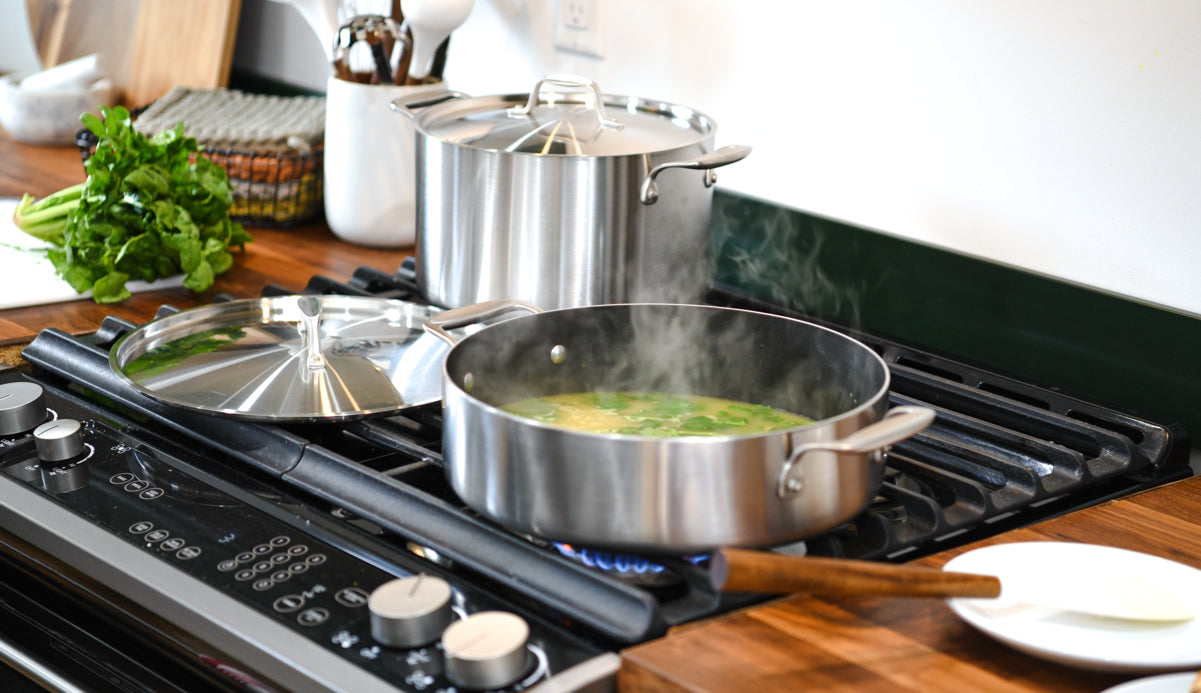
(27,278)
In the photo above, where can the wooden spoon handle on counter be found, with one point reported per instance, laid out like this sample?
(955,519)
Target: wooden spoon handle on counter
(743,570)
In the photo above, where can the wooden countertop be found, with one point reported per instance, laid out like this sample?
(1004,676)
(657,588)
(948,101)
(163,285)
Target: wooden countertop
(893,644)
(795,643)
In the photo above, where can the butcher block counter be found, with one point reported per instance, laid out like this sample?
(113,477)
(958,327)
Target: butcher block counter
(893,644)
(790,644)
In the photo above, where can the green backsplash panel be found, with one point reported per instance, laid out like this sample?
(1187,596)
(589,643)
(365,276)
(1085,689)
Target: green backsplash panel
(1096,346)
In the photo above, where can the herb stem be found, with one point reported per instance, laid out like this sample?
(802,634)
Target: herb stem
(47,218)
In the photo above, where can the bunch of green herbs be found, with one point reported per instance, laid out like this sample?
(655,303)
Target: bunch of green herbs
(151,207)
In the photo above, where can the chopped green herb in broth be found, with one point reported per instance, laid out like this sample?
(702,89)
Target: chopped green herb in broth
(654,414)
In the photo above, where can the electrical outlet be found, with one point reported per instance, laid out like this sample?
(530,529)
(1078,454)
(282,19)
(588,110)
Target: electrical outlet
(579,26)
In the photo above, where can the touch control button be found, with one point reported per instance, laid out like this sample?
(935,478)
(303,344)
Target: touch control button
(410,611)
(173,544)
(288,603)
(351,596)
(312,617)
(486,650)
(141,527)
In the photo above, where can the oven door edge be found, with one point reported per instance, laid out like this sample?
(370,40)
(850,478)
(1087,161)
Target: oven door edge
(267,648)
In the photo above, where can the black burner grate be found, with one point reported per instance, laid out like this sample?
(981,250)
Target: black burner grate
(1000,454)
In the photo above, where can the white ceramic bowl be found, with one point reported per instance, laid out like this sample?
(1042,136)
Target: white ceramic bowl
(49,115)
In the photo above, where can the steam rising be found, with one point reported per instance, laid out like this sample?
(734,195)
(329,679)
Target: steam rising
(681,349)
(776,255)
(663,344)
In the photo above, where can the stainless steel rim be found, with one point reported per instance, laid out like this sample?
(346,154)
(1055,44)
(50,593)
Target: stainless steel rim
(469,315)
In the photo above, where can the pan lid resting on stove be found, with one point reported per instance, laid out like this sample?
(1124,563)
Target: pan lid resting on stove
(299,358)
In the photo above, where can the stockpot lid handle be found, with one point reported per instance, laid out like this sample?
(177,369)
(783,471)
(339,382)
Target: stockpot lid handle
(597,101)
(897,425)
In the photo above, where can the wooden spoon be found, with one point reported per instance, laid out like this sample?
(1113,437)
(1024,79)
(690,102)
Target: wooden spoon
(743,570)
(1108,596)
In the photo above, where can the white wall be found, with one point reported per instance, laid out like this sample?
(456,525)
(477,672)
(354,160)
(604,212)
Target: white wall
(1062,136)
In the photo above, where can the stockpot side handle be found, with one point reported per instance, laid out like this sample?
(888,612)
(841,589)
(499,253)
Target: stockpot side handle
(408,103)
(897,425)
(728,154)
(441,324)
(577,81)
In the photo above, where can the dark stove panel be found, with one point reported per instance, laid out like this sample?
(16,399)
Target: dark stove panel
(153,497)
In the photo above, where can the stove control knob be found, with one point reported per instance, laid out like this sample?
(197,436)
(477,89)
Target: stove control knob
(22,407)
(411,611)
(486,650)
(59,440)
(60,447)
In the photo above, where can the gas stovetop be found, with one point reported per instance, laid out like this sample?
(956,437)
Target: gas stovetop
(370,499)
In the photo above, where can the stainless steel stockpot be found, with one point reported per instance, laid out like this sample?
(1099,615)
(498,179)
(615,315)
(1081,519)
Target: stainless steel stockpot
(655,495)
(562,197)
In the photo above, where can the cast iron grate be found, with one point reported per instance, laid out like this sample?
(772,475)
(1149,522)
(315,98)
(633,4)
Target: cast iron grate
(1001,454)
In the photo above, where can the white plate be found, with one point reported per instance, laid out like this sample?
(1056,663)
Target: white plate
(1088,642)
(1164,683)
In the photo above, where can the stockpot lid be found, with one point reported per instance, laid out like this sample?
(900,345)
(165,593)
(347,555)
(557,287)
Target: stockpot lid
(581,122)
(257,359)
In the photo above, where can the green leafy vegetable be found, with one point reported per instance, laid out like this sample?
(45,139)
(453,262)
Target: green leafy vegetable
(534,409)
(151,207)
(654,414)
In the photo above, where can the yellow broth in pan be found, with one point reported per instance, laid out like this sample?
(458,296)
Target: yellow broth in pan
(654,414)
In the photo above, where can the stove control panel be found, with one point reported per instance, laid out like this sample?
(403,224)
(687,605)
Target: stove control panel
(401,618)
